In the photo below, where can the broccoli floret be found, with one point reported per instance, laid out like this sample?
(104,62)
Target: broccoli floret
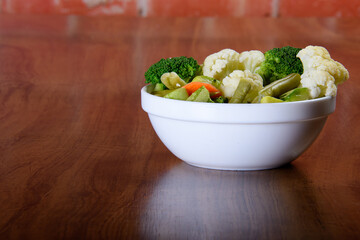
(221,99)
(280,62)
(186,68)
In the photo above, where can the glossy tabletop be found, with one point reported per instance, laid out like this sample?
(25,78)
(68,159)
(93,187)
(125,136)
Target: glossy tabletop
(80,160)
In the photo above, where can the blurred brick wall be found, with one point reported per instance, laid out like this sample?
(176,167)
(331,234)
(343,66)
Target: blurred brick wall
(237,8)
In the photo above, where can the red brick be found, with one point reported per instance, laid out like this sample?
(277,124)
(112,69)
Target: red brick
(258,8)
(223,8)
(119,7)
(72,7)
(33,6)
(319,8)
(27,26)
(112,7)
(81,7)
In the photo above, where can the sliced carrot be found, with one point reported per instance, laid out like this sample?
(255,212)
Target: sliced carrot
(193,86)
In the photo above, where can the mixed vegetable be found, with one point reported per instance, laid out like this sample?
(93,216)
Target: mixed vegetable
(280,75)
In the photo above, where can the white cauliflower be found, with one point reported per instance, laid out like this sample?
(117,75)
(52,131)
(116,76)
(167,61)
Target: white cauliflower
(230,83)
(320,83)
(251,60)
(321,73)
(221,64)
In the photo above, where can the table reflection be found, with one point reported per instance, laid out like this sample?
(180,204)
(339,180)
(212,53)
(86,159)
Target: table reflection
(193,203)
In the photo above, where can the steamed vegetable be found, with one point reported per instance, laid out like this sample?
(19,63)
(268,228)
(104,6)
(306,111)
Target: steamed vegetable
(280,62)
(186,68)
(200,95)
(162,93)
(321,74)
(284,74)
(221,99)
(269,99)
(297,94)
(278,87)
(159,87)
(194,86)
(206,79)
(230,85)
(178,94)
(242,90)
(251,60)
(172,80)
(221,64)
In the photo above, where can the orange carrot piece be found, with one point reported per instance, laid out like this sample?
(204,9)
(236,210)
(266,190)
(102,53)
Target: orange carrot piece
(193,86)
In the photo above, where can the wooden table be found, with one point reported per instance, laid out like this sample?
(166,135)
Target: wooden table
(80,160)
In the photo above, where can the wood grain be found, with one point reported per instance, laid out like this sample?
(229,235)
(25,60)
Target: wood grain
(79,159)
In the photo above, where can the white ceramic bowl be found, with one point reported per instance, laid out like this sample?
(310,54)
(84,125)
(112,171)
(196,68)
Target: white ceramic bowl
(236,136)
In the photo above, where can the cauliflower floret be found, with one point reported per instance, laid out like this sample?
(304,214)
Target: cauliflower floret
(317,59)
(320,83)
(230,83)
(251,60)
(219,65)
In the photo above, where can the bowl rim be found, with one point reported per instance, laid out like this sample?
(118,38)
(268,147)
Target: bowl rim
(234,113)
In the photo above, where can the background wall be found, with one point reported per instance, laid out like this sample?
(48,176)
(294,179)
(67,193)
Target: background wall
(238,8)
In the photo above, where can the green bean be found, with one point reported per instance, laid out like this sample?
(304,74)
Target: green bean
(278,87)
(162,92)
(297,94)
(240,93)
(268,99)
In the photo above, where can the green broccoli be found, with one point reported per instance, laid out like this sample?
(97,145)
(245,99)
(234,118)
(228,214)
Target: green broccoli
(280,62)
(185,67)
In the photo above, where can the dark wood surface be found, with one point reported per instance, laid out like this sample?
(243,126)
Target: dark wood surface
(80,160)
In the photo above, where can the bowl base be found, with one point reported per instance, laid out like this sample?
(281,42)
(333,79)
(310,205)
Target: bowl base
(234,168)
